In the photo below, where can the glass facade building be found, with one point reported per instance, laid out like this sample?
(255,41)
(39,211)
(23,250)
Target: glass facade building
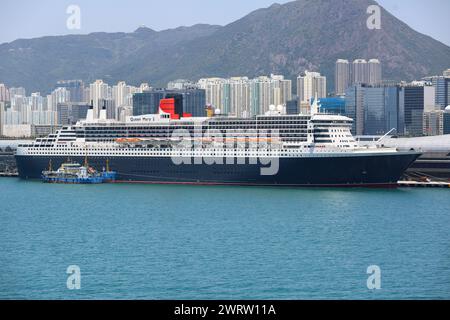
(413,100)
(375,109)
(292,107)
(354,107)
(374,112)
(446,122)
(193,101)
(332,105)
(442,86)
(147,102)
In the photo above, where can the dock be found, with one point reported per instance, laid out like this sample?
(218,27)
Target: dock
(428,184)
(9,174)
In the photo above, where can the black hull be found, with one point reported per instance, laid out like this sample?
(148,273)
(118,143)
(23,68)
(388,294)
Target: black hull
(339,171)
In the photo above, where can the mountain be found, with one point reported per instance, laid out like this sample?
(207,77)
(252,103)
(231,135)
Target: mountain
(284,39)
(38,63)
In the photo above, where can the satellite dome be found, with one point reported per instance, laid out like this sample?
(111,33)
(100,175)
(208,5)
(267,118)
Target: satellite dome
(447,108)
(280,108)
(217,111)
(272,107)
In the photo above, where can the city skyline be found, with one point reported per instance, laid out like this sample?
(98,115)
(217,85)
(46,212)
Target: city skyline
(376,106)
(49,19)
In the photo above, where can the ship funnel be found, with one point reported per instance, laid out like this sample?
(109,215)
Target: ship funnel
(90,113)
(103,111)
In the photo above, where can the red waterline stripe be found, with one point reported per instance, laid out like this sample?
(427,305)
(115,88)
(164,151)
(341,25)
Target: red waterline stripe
(381,186)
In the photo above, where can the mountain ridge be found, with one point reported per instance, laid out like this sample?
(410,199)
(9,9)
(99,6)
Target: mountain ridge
(285,39)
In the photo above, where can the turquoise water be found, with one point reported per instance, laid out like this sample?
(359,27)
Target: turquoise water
(183,242)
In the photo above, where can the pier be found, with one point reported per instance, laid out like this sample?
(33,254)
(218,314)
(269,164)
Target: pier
(428,184)
(9,174)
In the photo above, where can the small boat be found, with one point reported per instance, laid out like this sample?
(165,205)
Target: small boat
(74,173)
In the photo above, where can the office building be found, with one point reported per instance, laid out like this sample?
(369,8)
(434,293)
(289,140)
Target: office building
(446,121)
(354,107)
(381,107)
(147,102)
(413,106)
(441,86)
(193,101)
(292,106)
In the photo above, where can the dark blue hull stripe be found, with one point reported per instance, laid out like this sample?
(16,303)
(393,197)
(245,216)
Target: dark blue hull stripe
(380,170)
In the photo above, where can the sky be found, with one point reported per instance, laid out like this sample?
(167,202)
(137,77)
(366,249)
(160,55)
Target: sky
(36,18)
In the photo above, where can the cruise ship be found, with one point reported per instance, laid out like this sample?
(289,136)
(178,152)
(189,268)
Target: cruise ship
(171,147)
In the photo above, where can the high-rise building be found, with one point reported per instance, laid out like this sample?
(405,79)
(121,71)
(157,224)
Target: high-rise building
(4,93)
(360,72)
(354,107)
(446,73)
(2,117)
(59,95)
(144,87)
(181,84)
(446,121)
(70,113)
(433,123)
(147,102)
(109,105)
(193,101)
(310,84)
(97,92)
(124,113)
(413,100)
(17,92)
(381,106)
(243,97)
(376,109)
(342,76)
(75,87)
(238,91)
(441,85)
(374,69)
(292,107)
(214,92)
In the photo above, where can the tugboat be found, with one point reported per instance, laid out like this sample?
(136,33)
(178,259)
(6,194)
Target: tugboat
(74,173)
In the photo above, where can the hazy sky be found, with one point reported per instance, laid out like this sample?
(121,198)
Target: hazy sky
(35,18)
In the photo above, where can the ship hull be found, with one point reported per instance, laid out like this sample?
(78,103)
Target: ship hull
(383,170)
